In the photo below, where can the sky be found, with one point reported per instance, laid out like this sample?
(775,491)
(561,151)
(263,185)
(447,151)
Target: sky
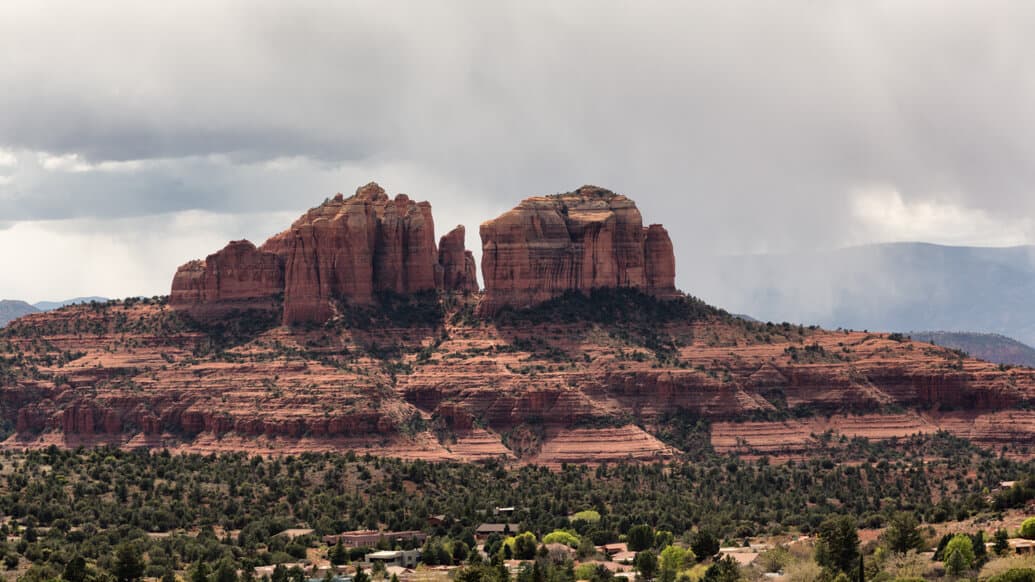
(135,136)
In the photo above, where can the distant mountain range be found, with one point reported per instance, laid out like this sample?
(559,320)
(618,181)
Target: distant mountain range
(11,309)
(890,287)
(990,347)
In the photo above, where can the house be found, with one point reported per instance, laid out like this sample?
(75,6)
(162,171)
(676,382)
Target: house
(261,571)
(1025,547)
(437,520)
(370,538)
(558,553)
(401,558)
(612,549)
(614,567)
(487,529)
(503,510)
(626,557)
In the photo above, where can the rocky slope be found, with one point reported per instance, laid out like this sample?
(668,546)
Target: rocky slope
(579,350)
(574,380)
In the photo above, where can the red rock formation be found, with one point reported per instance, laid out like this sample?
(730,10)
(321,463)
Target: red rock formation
(352,248)
(346,248)
(458,270)
(659,263)
(587,239)
(544,393)
(237,277)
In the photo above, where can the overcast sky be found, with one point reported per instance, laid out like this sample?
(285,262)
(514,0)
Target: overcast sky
(135,136)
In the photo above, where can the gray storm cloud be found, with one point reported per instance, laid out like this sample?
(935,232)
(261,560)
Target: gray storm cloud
(743,126)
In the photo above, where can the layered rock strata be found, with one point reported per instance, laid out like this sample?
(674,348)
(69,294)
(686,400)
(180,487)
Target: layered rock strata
(546,393)
(587,239)
(347,249)
(239,277)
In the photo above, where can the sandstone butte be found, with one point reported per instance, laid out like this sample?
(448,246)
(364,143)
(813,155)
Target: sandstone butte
(588,239)
(579,350)
(345,249)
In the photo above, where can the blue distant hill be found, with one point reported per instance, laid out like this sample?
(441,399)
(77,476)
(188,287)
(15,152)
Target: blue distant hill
(888,287)
(51,305)
(11,309)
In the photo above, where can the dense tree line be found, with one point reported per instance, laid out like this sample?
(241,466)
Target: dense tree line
(106,505)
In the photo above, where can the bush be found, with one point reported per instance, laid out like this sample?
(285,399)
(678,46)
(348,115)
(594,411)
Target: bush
(959,554)
(1028,529)
(561,536)
(640,537)
(588,516)
(1015,575)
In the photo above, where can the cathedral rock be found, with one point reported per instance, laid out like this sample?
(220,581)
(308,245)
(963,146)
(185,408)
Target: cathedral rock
(587,239)
(352,249)
(347,249)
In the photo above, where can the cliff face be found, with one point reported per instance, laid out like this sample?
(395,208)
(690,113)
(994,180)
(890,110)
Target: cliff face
(458,270)
(353,248)
(238,277)
(588,239)
(345,249)
(567,390)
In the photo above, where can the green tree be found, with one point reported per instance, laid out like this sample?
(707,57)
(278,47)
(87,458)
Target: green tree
(338,554)
(646,563)
(226,572)
(704,544)
(674,559)
(639,538)
(602,574)
(129,563)
(525,546)
(1028,529)
(279,574)
(588,516)
(980,551)
(75,570)
(837,544)
(1002,542)
(903,533)
(360,576)
(200,573)
(479,573)
(724,569)
(586,549)
(663,539)
(560,536)
(959,554)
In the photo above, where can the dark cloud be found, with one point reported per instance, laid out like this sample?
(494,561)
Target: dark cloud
(744,126)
